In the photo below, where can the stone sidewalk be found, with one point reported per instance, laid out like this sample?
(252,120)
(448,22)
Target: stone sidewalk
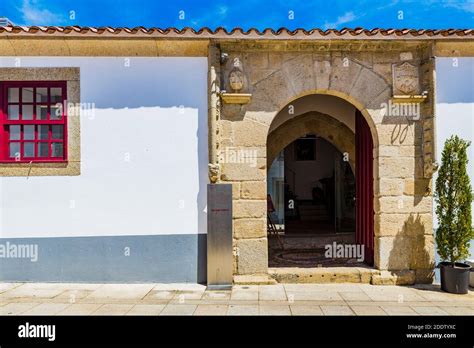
(194,299)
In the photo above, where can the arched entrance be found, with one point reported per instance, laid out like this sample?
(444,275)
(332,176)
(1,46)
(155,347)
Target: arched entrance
(320,188)
(276,82)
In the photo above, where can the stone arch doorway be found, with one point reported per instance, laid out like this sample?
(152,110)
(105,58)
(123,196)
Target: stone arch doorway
(275,79)
(320,199)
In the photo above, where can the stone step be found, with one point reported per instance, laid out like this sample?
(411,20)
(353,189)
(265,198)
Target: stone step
(253,279)
(321,275)
(325,275)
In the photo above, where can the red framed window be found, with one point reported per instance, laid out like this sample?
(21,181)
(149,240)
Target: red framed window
(33,121)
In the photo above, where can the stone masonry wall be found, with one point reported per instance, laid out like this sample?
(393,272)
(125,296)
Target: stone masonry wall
(277,75)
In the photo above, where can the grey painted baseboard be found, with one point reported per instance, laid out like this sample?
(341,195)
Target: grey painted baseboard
(161,258)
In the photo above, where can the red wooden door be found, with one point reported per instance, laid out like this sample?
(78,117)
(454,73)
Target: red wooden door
(364,188)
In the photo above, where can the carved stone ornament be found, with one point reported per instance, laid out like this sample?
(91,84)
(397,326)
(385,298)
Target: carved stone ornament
(236,79)
(430,168)
(406,79)
(214,172)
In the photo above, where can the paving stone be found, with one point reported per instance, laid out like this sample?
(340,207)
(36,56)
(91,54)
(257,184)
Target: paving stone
(354,296)
(337,310)
(459,310)
(8,286)
(216,295)
(393,294)
(246,287)
(272,293)
(442,304)
(16,308)
(121,291)
(187,299)
(243,310)
(274,310)
(244,302)
(113,309)
(368,310)
(429,310)
(21,291)
(179,309)
(244,293)
(305,310)
(146,309)
(205,309)
(313,296)
(160,295)
(47,309)
(442,296)
(129,301)
(80,309)
(73,296)
(323,287)
(183,296)
(399,310)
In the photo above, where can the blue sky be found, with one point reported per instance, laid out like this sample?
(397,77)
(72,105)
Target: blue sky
(431,14)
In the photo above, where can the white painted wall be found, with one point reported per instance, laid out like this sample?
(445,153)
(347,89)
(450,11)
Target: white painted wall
(155,112)
(455,107)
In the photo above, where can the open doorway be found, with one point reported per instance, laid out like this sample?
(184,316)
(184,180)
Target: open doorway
(320,191)
(311,192)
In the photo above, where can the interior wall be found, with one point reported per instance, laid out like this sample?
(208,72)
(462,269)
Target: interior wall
(308,173)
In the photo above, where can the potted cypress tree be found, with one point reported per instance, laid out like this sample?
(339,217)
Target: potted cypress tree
(453,197)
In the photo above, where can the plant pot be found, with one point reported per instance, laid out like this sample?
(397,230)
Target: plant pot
(455,280)
(471,278)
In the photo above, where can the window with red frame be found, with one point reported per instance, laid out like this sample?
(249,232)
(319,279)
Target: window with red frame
(33,121)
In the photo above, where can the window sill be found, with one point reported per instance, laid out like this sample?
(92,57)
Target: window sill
(40,168)
(33,161)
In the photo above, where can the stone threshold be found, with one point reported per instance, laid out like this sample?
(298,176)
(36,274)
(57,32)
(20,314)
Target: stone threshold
(325,275)
(322,274)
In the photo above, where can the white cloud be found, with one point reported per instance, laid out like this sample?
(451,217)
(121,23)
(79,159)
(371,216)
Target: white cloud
(32,14)
(222,10)
(345,18)
(212,18)
(467,6)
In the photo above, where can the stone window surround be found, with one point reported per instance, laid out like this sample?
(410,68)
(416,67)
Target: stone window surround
(72,166)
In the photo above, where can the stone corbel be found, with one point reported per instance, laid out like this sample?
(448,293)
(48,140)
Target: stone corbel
(402,99)
(236,98)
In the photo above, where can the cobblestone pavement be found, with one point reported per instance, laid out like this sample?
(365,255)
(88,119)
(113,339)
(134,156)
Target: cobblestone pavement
(194,299)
